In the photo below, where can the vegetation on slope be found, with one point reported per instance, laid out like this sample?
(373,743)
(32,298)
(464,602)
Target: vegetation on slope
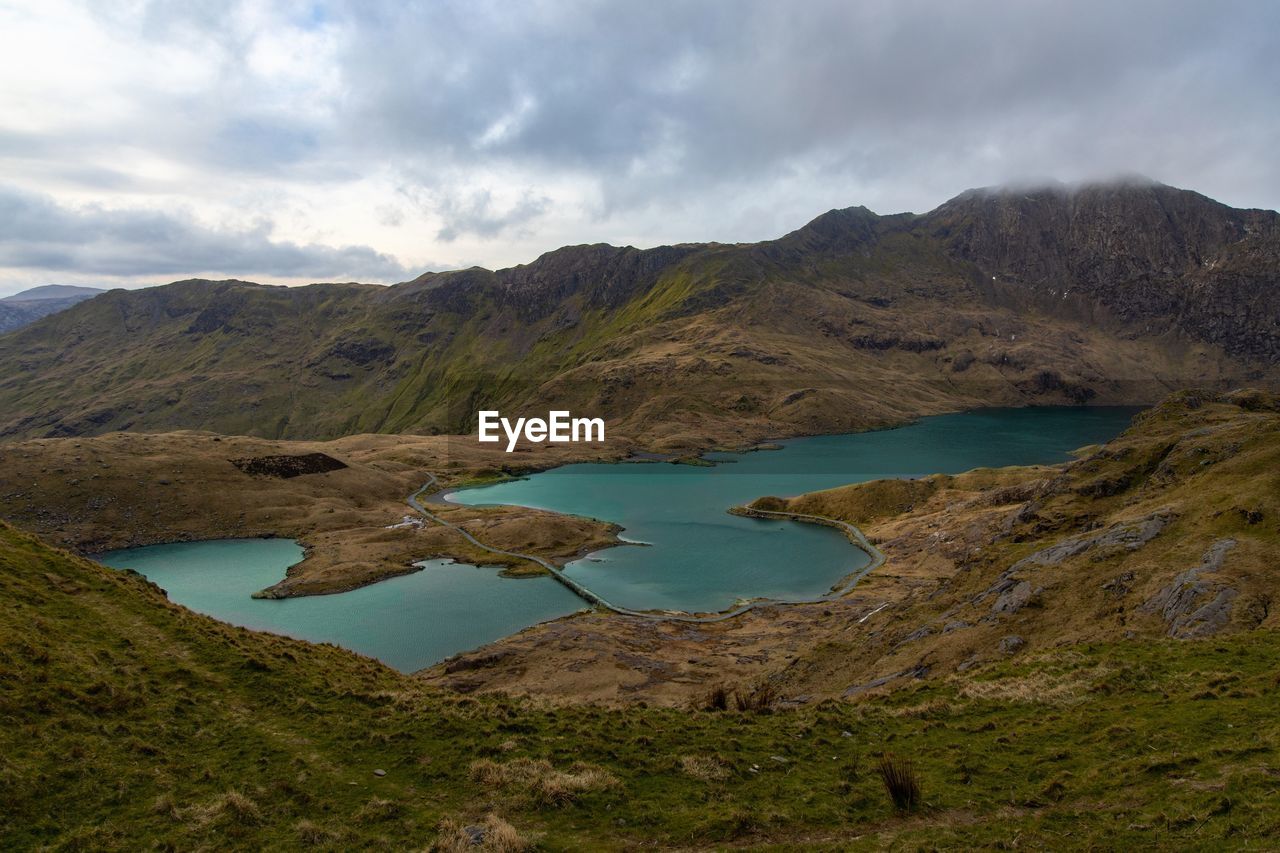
(128,722)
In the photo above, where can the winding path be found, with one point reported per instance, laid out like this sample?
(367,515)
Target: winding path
(855,536)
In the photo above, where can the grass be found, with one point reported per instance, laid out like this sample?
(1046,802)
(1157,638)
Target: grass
(757,698)
(128,722)
(494,835)
(900,782)
(541,783)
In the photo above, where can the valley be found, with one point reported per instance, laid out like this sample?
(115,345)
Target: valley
(1110,722)
(601,426)
(1057,615)
(697,558)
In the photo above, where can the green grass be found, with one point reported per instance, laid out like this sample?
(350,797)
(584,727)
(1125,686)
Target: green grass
(130,723)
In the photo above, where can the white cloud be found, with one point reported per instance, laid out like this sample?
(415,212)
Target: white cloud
(459,132)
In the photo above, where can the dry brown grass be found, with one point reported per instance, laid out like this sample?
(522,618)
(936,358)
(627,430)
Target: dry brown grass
(705,768)
(924,710)
(759,698)
(312,835)
(1036,688)
(166,806)
(378,809)
(494,835)
(717,699)
(541,781)
(232,807)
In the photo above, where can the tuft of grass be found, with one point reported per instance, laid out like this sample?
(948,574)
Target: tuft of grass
(900,781)
(239,808)
(493,835)
(377,810)
(538,779)
(166,806)
(717,699)
(705,768)
(759,698)
(313,835)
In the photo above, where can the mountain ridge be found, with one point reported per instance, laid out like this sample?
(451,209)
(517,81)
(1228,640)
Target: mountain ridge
(1113,292)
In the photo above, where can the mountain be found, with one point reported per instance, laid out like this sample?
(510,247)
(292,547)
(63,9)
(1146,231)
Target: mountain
(30,305)
(1111,292)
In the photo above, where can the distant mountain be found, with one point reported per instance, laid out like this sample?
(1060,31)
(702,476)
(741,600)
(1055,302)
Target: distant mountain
(1112,292)
(30,305)
(53,291)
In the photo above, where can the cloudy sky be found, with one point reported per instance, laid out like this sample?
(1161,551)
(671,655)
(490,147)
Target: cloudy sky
(143,142)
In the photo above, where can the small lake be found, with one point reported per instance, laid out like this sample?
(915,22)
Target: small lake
(699,558)
(407,622)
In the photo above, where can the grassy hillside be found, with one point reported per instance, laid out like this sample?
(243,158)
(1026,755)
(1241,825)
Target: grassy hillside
(131,723)
(853,321)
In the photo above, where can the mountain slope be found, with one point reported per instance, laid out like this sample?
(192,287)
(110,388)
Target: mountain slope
(30,305)
(130,723)
(1116,293)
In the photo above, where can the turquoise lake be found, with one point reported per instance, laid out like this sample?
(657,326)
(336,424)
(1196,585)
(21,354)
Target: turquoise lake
(407,622)
(698,557)
(701,558)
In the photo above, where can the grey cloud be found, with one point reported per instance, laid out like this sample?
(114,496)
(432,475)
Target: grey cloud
(476,213)
(698,120)
(660,101)
(41,234)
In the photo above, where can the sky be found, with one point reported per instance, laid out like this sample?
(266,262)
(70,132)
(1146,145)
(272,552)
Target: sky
(290,142)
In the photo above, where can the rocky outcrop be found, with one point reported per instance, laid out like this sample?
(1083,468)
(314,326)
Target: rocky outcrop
(287,467)
(602,276)
(1193,605)
(1127,536)
(1013,590)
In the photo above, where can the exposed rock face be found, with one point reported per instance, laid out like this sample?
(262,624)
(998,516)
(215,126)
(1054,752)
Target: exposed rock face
(1011,644)
(1013,590)
(1014,599)
(603,276)
(1150,253)
(1120,537)
(1193,606)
